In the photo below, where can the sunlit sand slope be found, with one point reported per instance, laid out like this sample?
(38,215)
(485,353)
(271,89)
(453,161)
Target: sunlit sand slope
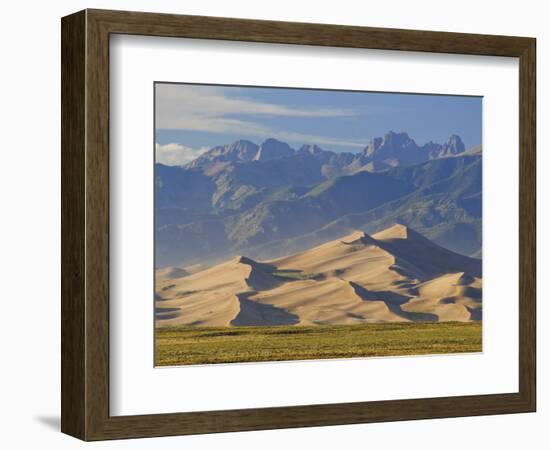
(395,275)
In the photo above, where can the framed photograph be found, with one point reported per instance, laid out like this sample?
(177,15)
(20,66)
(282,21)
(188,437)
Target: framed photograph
(273,225)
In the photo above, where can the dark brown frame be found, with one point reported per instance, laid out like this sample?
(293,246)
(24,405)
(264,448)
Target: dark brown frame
(85,224)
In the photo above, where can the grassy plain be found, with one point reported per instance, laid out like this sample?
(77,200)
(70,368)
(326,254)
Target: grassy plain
(202,345)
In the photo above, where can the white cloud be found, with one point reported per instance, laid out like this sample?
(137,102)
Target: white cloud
(177,102)
(207,109)
(301,138)
(175,154)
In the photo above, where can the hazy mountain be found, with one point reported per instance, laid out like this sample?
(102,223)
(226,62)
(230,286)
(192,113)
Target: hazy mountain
(398,149)
(391,150)
(440,198)
(270,200)
(334,164)
(396,275)
(452,148)
(273,149)
(241,150)
(189,190)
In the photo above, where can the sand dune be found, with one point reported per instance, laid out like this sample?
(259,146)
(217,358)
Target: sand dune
(393,276)
(169,273)
(427,258)
(454,296)
(332,300)
(211,297)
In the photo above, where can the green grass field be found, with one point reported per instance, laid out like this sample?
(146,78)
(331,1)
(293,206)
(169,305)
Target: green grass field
(195,345)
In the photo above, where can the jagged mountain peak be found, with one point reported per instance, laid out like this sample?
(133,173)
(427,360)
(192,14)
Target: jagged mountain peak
(397,138)
(273,141)
(392,146)
(390,150)
(455,144)
(272,148)
(399,149)
(240,150)
(242,145)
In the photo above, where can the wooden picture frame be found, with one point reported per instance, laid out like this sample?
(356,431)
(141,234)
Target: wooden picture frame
(85,224)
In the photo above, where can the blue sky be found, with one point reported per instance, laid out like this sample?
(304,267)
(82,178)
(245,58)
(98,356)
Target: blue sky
(193,118)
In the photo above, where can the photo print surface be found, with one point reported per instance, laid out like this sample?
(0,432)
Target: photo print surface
(296,224)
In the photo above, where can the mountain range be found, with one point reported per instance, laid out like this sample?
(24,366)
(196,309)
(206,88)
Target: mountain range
(392,150)
(395,275)
(270,200)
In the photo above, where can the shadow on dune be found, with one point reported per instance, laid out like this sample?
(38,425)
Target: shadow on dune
(166,313)
(431,259)
(475,313)
(393,301)
(472,292)
(261,274)
(257,314)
